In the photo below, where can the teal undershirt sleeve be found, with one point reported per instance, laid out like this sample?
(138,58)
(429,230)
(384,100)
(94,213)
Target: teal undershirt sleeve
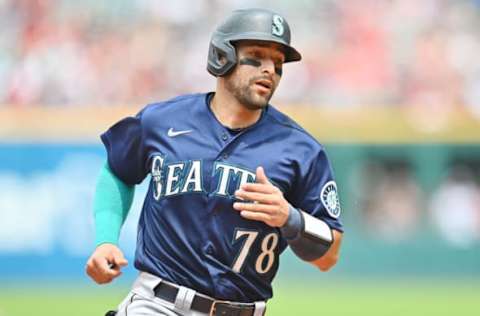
(112,202)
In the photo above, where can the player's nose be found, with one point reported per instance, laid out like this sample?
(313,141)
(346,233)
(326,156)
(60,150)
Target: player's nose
(268,66)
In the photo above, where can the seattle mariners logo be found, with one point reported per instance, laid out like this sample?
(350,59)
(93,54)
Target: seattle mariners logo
(277,25)
(330,199)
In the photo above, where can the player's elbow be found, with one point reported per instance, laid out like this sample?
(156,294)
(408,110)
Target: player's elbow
(326,262)
(330,259)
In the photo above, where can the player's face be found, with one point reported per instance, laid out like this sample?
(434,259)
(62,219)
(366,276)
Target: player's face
(257,74)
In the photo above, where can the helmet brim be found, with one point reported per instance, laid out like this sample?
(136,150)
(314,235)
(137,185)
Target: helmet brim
(291,54)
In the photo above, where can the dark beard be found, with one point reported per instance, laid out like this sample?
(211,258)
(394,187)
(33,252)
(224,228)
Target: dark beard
(246,96)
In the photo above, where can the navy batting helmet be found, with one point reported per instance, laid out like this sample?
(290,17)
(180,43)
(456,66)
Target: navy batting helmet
(248,24)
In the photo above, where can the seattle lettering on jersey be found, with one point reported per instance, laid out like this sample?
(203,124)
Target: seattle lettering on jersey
(186,177)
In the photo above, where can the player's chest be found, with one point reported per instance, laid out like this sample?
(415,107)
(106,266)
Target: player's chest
(215,166)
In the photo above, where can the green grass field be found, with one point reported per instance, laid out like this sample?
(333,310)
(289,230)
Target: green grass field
(382,298)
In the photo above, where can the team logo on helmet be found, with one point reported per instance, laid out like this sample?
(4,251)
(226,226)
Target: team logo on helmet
(277,25)
(329,197)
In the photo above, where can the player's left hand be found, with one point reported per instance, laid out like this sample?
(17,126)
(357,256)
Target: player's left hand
(269,205)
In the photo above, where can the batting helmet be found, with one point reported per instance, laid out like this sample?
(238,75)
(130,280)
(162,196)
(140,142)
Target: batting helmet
(248,24)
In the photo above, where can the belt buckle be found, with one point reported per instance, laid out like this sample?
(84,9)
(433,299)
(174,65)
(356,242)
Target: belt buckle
(213,308)
(234,309)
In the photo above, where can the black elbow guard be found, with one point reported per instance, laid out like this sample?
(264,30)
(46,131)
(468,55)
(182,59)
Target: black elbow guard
(314,240)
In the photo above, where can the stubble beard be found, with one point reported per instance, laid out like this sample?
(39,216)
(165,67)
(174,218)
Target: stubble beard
(246,95)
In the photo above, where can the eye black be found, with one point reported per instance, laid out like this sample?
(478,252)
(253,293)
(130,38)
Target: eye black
(250,62)
(256,63)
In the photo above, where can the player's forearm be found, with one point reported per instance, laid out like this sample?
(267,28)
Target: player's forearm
(112,202)
(309,238)
(330,258)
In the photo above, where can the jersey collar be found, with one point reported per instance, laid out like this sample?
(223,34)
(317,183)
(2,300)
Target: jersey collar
(208,99)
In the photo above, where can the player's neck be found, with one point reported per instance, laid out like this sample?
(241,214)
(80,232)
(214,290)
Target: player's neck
(231,113)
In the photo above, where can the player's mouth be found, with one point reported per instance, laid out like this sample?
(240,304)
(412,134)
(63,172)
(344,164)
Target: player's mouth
(264,85)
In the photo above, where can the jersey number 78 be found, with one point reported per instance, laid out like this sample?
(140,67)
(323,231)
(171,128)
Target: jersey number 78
(268,245)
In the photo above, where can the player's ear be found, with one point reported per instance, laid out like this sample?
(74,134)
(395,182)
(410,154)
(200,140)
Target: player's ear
(222,59)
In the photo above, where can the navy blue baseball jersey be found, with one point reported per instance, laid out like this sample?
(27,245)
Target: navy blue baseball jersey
(188,231)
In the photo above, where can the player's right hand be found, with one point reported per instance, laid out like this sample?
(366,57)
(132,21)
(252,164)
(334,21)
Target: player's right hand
(105,263)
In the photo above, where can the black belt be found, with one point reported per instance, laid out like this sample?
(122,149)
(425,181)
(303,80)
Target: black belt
(168,292)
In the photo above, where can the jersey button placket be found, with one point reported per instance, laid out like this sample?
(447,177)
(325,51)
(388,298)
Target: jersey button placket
(225,137)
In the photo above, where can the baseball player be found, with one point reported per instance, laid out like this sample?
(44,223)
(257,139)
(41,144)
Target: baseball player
(233,182)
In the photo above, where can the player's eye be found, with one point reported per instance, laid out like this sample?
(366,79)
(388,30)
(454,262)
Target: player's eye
(258,54)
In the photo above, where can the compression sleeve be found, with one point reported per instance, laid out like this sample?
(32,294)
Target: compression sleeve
(113,199)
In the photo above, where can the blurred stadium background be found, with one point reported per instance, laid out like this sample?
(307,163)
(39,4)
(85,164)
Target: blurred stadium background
(392,87)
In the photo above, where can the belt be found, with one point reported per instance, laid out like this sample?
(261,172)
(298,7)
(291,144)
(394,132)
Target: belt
(169,292)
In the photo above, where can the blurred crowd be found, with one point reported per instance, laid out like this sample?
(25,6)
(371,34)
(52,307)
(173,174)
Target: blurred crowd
(395,208)
(366,52)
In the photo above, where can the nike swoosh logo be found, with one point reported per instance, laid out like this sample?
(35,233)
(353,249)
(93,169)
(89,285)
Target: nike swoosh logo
(172,133)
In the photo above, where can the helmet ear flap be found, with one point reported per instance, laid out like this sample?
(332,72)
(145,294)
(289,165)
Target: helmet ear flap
(222,57)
